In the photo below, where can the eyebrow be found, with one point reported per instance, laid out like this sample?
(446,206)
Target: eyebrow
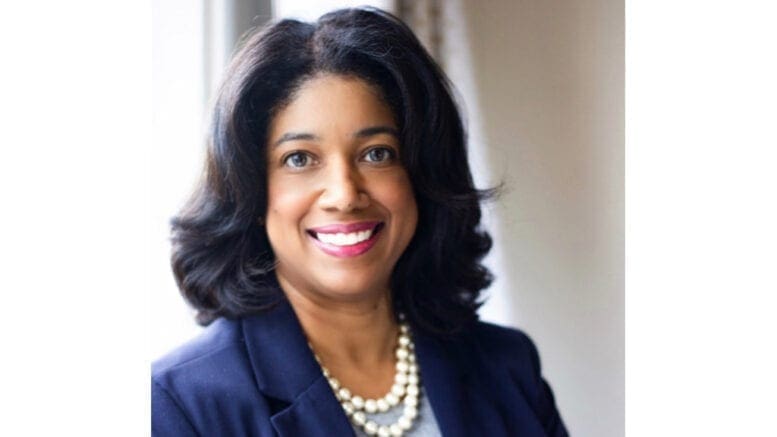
(362,133)
(376,130)
(295,136)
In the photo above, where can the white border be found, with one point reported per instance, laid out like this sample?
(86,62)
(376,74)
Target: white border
(701,192)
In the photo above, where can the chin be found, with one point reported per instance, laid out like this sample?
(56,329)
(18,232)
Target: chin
(348,286)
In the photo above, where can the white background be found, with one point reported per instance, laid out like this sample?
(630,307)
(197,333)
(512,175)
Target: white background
(75,177)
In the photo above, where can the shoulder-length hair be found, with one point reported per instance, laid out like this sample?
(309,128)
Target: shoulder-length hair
(222,259)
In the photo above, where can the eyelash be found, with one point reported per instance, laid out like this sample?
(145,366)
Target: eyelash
(391,156)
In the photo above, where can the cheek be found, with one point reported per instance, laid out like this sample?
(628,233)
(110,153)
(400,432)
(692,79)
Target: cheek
(397,196)
(287,204)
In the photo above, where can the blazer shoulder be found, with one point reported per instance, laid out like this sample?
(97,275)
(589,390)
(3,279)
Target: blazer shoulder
(510,350)
(205,387)
(220,335)
(503,343)
(513,354)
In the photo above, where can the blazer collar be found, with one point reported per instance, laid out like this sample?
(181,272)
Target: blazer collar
(285,369)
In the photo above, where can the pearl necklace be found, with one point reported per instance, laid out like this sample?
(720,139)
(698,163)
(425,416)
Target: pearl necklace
(405,390)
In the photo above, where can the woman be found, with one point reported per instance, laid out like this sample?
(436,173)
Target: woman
(333,248)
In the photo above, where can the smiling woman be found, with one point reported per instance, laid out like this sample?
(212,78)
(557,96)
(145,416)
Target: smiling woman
(333,247)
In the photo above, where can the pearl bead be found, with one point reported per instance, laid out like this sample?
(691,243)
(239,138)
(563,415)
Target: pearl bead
(325,372)
(412,390)
(392,399)
(405,423)
(411,401)
(398,390)
(412,379)
(383,431)
(359,418)
(410,412)
(411,358)
(402,354)
(400,378)
(358,402)
(404,340)
(334,383)
(370,406)
(403,328)
(412,368)
(348,407)
(382,405)
(395,430)
(371,427)
(344,393)
(402,366)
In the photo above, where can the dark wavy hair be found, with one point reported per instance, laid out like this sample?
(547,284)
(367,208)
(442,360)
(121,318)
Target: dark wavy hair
(222,259)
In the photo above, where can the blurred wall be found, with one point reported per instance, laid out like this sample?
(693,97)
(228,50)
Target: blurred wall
(224,23)
(542,84)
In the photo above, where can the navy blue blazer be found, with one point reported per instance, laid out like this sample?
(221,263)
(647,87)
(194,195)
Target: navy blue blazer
(257,377)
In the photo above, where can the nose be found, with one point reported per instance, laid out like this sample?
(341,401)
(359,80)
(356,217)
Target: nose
(344,189)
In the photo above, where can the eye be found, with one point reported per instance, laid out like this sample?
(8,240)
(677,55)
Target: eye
(380,155)
(297,160)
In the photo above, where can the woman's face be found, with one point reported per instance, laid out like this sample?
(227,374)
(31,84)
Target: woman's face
(340,207)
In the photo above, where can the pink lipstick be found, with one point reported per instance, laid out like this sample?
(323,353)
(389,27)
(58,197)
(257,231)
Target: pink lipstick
(346,240)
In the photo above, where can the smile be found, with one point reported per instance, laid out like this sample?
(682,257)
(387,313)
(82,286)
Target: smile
(346,240)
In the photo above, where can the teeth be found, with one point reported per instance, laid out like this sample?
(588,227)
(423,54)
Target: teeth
(341,239)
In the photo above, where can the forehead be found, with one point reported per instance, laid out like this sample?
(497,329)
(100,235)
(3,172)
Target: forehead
(332,104)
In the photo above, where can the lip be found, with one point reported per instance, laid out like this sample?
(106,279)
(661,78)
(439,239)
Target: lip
(347,251)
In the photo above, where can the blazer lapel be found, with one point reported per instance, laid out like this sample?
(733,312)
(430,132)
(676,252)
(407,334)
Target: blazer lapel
(314,413)
(443,379)
(285,370)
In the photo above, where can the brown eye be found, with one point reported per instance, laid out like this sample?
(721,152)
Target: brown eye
(297,160)
(380,155)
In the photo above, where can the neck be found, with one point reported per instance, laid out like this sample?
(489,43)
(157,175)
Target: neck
(346,333)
